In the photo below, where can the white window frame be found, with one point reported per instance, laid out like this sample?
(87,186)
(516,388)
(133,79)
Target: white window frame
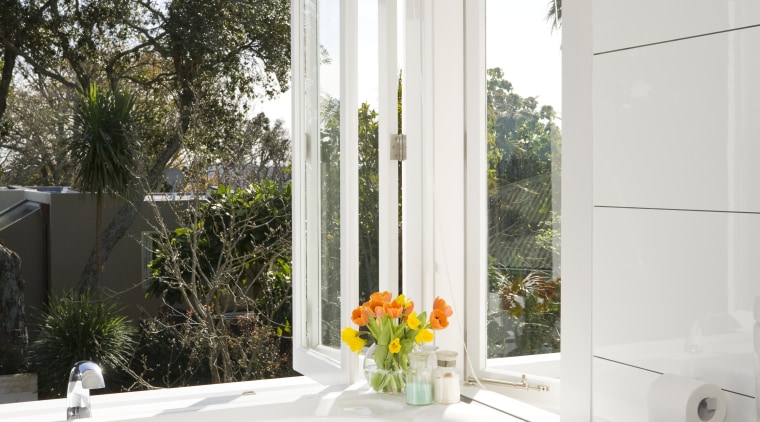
(309,357)
(445,192)
(327,364)
(506,369)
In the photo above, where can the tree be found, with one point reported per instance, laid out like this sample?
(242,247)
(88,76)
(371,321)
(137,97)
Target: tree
(202,59)
(554,14)
(521,140)
(13,336)
(231,255)
(35,138)
(103,151)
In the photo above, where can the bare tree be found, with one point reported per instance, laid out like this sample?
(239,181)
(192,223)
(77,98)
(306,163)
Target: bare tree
(228,267)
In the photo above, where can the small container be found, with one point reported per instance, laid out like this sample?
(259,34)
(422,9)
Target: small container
(419,380)
(446,387)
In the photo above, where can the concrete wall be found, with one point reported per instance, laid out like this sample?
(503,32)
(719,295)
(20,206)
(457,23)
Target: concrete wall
(53,257)
(27,237)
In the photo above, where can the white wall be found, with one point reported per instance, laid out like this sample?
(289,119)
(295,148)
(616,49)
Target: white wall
(676,199)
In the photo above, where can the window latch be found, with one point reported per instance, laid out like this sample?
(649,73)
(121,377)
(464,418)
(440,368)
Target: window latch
(398,147)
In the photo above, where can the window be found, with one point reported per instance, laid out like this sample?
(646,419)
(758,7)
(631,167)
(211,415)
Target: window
(347,218)
(518,125)
(523,179)
(446,241)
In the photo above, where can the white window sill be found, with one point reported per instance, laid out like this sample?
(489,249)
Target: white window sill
(542,370)
(284,399)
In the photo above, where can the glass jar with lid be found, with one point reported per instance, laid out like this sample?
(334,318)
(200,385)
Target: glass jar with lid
(419,380)
(446,384)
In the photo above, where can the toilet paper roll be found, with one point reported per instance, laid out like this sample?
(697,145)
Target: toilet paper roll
(675,398)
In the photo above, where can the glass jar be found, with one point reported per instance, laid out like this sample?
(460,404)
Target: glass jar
(432,359)
(419,380)
(446,387)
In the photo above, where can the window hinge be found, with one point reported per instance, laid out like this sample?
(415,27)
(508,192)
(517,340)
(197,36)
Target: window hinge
(307,144)
(398,147)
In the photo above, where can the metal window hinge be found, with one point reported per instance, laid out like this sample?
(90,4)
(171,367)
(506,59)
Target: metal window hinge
(398,147)
(307,144)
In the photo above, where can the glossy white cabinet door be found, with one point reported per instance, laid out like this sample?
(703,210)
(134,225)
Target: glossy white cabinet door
(620,395)
(673,292)
(624,23)
(676,124)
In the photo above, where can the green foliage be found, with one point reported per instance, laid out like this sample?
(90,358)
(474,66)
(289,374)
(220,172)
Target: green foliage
(195,64)
(554,13)
(368,209)
(236,239)
(78,327)
(174,351)
(102,147)
(369,216)
(522,140)
(329,150)
(245,46)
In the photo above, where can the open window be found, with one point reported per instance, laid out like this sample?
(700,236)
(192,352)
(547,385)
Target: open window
(446,188)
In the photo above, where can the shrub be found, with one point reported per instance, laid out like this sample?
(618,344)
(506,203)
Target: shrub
(74,327)
(174,351)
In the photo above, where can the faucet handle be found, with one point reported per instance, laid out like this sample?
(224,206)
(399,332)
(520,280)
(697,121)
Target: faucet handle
(89,373)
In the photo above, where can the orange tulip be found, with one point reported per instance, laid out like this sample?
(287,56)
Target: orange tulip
(440,304)
(394,309)
(381,296)
(408,308)
(377,302)
(438,319)
(379,312)
(360,316)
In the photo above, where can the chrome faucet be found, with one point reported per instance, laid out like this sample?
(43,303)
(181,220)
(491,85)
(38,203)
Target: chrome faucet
(84,376)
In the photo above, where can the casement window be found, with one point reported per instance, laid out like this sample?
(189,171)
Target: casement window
(440,219)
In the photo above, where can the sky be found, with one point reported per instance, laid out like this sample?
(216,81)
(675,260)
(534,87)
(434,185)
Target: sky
(519,40)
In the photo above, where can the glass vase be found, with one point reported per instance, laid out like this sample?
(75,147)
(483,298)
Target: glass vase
(383,373)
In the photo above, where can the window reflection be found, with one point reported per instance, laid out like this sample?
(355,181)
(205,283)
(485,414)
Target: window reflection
(329,159)
(523,144)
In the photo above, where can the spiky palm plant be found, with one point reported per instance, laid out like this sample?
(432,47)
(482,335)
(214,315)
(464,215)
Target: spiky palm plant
(554,14)
(103,153)
(74,327)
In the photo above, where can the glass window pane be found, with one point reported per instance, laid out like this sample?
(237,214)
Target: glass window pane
(523,144)
(329,170)
(369,217)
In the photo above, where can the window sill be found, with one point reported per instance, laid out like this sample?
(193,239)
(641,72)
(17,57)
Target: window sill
(541,370)
(283,399)
(506,402)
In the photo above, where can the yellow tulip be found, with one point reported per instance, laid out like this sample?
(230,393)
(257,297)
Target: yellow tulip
(412,321)
(352,339)
(423,336)
(395,345)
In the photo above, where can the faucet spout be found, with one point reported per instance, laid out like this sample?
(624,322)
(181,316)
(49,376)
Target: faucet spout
(84,376)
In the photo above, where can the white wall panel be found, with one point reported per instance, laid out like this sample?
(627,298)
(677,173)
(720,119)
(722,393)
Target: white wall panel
(620,395)
(624,23)
(674,126)
(673,292)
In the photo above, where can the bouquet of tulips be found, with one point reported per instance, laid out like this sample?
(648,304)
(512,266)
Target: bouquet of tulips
(395,328)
